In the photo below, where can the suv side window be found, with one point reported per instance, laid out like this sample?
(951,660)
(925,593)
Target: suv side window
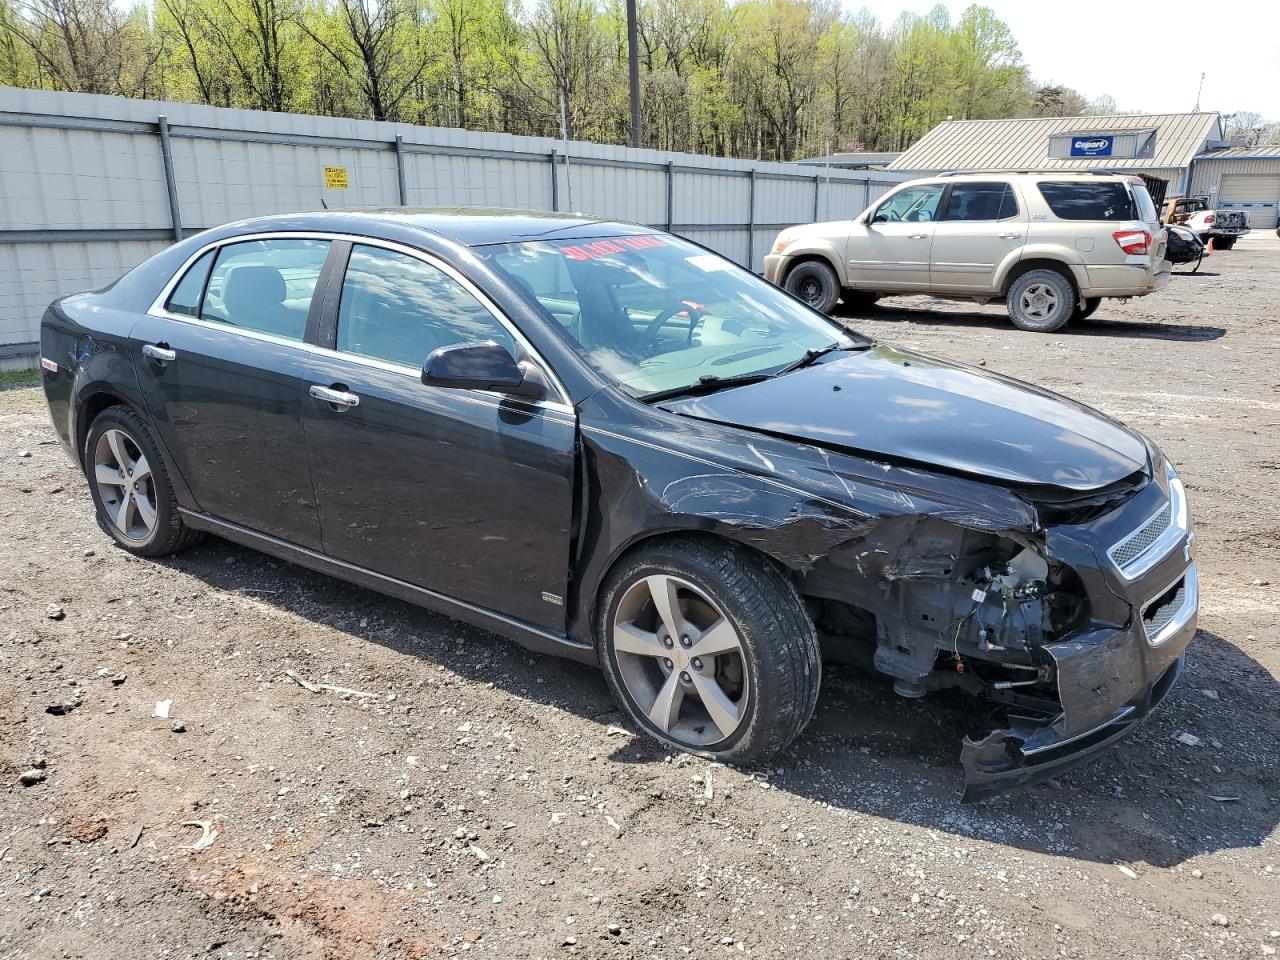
(914,204)
(398,308)
(980,201)
(265,285)
(1083,200)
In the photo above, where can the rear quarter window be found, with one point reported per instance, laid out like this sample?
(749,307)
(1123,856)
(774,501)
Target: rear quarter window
(1103,200)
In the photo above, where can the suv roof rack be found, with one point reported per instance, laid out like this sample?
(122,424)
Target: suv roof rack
(1088,173)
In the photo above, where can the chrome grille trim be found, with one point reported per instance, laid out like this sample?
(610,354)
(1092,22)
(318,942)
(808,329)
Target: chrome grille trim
(1142,539)
(1161,622)
(1152,541)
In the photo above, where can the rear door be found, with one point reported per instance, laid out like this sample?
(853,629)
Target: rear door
(463,492)
(890,250)
(223,366)
(979,228)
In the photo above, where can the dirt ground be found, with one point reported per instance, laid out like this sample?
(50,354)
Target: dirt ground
(481,800)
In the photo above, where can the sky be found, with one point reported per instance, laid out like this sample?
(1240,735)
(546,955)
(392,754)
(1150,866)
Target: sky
(1148,56)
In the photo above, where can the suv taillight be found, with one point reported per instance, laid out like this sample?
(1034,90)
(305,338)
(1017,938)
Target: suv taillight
(1133,241)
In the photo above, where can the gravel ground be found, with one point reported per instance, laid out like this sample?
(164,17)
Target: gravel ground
(462,796)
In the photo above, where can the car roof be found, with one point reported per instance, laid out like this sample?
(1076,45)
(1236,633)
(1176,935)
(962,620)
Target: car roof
(469,226)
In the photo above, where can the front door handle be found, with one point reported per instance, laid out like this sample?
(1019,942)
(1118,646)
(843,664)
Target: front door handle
(159,352)
(342,399)
(916,236)
(1009,236)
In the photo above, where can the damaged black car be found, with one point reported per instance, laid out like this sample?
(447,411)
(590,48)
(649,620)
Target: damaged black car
(611,444)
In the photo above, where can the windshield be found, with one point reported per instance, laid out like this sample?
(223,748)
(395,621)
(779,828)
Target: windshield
(658,314)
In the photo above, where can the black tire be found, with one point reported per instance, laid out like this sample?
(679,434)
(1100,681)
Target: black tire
(859,299)
(778,654)
(815,283)
(1086,308)
(168,534)
(1058,306)
(1224,243)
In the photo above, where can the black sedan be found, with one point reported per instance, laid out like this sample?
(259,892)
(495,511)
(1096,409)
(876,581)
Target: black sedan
(611,444)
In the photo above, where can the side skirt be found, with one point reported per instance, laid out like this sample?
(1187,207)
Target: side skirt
(528,636)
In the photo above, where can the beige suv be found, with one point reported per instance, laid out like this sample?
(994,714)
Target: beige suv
(1051,245)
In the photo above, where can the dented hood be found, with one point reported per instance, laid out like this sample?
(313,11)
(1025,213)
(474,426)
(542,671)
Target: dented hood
(908,406)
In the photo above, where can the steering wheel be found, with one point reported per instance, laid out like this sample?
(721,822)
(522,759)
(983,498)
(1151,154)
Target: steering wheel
(684,306)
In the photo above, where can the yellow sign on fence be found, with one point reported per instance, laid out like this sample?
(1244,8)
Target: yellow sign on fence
(335,178)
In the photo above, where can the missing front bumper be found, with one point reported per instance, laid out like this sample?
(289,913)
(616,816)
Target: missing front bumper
(1012,758)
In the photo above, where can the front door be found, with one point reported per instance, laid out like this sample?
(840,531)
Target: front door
(979,228)
(890,249)
(462,492)
(223,368)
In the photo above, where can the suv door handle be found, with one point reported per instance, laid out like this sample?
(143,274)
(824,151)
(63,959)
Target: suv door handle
(159,352)
(1009,236)
(916,236)
(339,398)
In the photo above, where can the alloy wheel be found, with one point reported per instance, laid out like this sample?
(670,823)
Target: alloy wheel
(681,660)
(125,484)
(1039,301)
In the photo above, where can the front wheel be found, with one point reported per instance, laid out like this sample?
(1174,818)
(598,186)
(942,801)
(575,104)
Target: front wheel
(709,649)
(1041,301)
(815,283)
(130,486)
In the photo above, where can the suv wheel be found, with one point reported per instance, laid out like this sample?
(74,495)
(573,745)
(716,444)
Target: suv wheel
(130,486)
(815,283)
(1224,243)
(1041,301)
(708,649)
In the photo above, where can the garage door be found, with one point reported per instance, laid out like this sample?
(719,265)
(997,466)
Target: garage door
(1257,194)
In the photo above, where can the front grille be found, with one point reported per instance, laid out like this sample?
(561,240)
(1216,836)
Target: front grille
(1137,543)
(1158,614)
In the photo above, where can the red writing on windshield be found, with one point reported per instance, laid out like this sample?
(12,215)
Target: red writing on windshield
(603,248)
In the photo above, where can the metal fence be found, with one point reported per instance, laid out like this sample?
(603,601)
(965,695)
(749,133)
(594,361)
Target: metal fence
(90,185)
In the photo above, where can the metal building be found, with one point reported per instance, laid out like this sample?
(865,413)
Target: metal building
(1242,178)
(1157,146)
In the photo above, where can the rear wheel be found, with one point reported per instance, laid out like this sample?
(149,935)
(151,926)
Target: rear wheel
(1041,301)
(130,486)
(815,283)
(1086,308)
(1224,243)
(708,649)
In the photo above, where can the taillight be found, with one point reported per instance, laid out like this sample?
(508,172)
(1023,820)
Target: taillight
(1133,241)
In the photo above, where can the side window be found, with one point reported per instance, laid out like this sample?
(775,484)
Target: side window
(1099,200)
(265,285)
(981,201)
(912,205)
(399,309)
(185,298)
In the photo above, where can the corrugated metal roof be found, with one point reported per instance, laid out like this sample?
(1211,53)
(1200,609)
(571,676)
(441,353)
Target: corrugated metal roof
(1261,152)
(1023,144)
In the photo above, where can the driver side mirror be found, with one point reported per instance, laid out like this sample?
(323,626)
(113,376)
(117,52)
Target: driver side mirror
(877,218)
(481,366)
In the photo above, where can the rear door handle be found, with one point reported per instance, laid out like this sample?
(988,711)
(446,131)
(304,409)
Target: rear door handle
(159,352)
(339,398)
(916,236)
(1009,236)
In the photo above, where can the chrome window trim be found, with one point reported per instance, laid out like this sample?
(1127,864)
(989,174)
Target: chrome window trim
(1190,605)
(1179,526)
(157,309)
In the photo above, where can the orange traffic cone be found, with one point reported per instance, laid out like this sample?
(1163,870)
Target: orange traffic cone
(1208,247)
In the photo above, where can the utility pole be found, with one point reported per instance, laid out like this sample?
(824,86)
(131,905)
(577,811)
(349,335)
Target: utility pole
(633,58)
